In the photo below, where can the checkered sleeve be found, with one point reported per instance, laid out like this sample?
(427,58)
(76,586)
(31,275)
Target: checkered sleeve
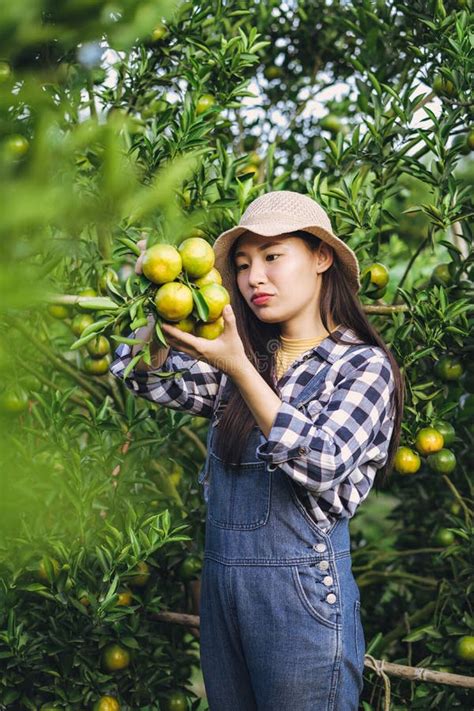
(193,389)
(321,451)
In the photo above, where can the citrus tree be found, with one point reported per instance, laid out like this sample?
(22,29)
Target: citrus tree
(160,122)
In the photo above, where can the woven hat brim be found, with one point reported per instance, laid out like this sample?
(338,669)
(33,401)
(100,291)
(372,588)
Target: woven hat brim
(224,242)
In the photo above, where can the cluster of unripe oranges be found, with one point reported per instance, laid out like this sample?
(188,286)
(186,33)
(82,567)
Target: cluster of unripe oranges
(429,442)
(177,271)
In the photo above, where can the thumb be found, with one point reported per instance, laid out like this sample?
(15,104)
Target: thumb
(228,313)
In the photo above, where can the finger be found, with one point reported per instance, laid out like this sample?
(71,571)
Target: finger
(138,264)
(186,339)
(141,244)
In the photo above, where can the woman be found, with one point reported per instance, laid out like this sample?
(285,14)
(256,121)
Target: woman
(305,402)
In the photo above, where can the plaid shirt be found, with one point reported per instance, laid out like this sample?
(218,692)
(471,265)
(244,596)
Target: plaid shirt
(331,447)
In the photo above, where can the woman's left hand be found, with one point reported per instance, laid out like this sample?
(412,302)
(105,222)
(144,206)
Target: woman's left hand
(226,352)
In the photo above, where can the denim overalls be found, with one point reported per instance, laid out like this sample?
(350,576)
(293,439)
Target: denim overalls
(280,620)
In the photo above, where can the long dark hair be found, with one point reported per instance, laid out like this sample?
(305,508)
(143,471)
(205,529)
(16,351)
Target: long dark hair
(338,302)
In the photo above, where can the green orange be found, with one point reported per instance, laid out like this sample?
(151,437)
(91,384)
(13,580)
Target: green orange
(140,575)
(175,701)
(115,657)
(210,330)
(174,301)
(190,567)
(197,255)
(443,462)
(14,400)
(211,277)
(80,323)
(96,366)
(98,347)
(379,274)
(58,311)
(448,368)
(106,703)
(204,103)
(216,297)
(161,263)
(406,461)
(447,430)
(48,569)
(465,648)
(445,537)
(428,440)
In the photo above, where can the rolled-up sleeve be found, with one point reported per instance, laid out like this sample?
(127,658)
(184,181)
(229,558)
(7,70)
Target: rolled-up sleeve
(319,452)
(193,388)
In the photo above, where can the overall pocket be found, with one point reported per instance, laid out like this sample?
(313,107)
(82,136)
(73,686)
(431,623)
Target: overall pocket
(317,592)
(239,495)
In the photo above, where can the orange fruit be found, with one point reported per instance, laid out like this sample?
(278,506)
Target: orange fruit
(159,32)
(205,102)
(14,400)
(212,277)
(140,575)
(161,263)
(210,330)
(447,430)
(96,366)
(125,598)
(115,657)
(379,274)
(445,537)
(176,701)
(48,569)
(442,86)
(16,145)
(406,461)
(197,255)
(470,139)
(272,71)
(429,440)
(58,311)
(443,462)
(442,274)
(106,703)
(5,72)
(186,325)
(80,323)
(216,297)
(465,648)
(174,301)
(448,368)
(88,292)
(98,347)
(108,276)
(455,508)
(190,567)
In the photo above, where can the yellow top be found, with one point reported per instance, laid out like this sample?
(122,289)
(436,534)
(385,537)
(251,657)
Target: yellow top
(290,349)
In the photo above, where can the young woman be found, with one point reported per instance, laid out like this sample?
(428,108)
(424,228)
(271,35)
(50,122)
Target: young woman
(305,402)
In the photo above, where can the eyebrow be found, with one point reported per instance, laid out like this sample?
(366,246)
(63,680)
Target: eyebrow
(260,248)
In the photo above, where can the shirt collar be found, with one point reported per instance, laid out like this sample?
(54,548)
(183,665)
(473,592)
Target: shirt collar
(330,351)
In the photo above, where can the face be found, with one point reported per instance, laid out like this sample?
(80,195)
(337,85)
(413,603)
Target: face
(283,267)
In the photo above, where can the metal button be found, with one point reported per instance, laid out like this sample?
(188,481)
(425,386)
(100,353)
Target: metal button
(323,565)
(331,598)
(327,580)
(320,547)
(302,450)
(272,467)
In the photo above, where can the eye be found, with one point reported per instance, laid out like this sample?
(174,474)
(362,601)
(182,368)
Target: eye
(239,268)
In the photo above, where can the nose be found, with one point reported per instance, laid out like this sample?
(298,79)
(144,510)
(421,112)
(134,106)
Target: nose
(256,273)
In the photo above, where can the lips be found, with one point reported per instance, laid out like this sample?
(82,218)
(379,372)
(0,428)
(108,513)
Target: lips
(256,297)
(261,299)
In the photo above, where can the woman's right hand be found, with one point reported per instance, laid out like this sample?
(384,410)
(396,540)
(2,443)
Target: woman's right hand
(141,244)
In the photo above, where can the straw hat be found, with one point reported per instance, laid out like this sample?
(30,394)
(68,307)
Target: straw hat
(278,212)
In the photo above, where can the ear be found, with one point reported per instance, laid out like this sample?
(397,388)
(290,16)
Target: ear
(324,256)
